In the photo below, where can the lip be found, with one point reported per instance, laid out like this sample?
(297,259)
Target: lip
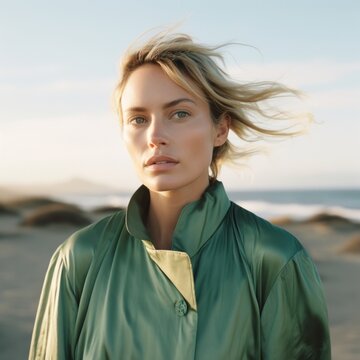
(160,163)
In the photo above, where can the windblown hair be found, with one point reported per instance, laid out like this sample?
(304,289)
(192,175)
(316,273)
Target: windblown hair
(196,68)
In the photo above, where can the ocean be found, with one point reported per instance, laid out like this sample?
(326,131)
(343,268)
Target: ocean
(296,204)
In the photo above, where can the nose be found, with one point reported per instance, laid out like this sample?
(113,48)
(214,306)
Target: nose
(157,133)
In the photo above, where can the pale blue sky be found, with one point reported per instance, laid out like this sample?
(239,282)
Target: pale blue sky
(58,67)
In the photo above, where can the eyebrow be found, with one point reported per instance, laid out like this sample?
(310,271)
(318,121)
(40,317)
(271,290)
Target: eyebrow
(165,106)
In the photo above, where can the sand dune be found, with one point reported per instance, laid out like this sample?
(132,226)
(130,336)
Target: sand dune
(352,246)
(55,214)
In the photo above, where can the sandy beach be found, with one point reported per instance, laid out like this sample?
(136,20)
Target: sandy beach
(25,251)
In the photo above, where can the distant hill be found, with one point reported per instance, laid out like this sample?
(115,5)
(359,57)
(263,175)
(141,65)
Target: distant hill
(73,186)
(9,194)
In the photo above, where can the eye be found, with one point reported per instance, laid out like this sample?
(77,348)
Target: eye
(181,114)
(138,120)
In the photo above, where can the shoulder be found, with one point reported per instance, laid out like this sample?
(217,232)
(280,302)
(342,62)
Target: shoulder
(261,238)
(86,240)
(267,248)
(80,249)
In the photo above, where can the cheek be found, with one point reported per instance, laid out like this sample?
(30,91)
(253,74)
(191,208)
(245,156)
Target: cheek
(200,145)
(131,145)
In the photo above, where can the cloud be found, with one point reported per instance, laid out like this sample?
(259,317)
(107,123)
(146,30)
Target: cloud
(336,99)
(25,80)
(88,146)
(55,132)
(299,74)
(21,72)
(327,84)
(76,86)
(59,87)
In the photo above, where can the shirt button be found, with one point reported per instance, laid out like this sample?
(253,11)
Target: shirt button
(181,307)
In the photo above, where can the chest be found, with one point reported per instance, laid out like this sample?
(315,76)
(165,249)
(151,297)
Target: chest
(137,312)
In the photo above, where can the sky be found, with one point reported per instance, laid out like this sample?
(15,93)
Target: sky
(59,66)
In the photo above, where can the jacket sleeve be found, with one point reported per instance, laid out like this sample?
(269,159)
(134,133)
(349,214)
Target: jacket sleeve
(294,322)
(52,336)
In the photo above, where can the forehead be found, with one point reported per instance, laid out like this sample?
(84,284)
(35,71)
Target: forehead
(149,85)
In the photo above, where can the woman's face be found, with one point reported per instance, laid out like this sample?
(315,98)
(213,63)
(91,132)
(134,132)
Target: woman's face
(168,132)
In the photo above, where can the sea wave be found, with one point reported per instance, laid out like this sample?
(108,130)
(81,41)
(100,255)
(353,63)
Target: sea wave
(296,211)
(90,202)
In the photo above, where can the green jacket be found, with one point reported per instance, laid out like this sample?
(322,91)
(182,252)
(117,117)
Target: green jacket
(233,286)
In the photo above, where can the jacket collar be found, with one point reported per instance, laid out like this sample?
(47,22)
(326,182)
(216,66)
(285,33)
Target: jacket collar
(197,222)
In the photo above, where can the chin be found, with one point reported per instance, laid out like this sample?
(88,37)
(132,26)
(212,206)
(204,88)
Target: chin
(163,184)
(173,183)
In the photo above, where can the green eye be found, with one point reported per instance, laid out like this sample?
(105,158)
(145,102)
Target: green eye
(181,114)
(138,120)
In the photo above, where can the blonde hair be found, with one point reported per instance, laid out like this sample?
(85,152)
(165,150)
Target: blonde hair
(195,68)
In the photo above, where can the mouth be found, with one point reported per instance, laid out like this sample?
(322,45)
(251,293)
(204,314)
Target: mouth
(160,162)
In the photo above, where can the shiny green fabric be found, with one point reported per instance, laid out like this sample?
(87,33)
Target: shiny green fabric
(258,293)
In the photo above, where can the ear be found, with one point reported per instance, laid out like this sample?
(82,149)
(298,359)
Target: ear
(222,130)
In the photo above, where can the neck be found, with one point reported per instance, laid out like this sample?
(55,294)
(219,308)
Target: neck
(164,211)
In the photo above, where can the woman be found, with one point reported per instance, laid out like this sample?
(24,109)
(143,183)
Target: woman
(183,273)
